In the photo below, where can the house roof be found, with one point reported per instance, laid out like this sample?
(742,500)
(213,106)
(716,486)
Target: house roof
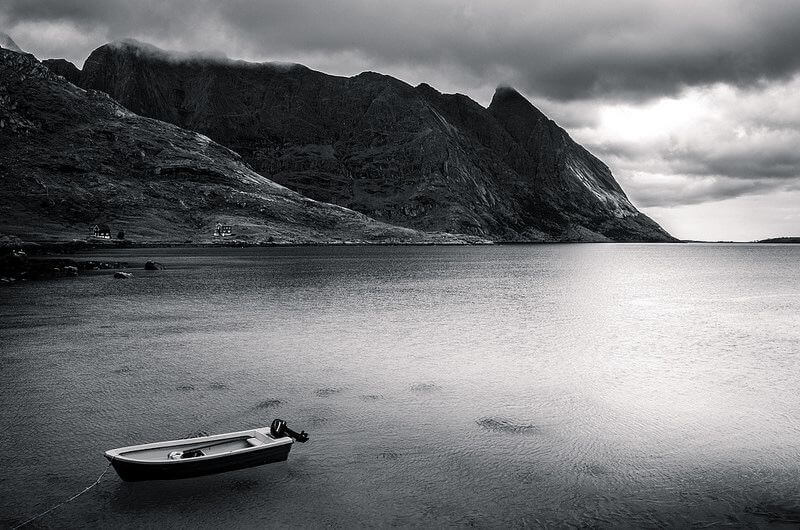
(103,228)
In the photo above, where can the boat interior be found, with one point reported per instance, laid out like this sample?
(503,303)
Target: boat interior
(187,449)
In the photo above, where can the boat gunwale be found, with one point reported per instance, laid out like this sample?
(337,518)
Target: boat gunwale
(118,454)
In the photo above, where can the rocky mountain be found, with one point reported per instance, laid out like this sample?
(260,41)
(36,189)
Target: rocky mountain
(407,155)
(64,68)
(71,158)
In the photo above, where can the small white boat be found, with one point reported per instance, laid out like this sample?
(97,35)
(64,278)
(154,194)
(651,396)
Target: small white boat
(194,457)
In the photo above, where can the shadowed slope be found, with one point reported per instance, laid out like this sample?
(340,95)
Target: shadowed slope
(71,158)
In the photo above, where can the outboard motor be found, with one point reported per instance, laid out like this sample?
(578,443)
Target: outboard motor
(278,429)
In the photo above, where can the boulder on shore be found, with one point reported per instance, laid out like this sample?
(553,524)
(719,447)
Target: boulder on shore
(14,264)
(122,275)
(153,266)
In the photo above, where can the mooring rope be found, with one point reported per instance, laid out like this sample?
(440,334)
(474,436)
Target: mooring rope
(59,505)
(196,434)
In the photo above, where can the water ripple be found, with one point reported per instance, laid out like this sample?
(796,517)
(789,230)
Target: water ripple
(507,426)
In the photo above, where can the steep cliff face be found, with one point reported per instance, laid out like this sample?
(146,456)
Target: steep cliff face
(571,181)
(406,155)
(71,158)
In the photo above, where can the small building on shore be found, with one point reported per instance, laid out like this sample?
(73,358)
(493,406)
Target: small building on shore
(222,230)
(102,231)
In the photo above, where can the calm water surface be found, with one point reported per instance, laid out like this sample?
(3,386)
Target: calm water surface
(583,385)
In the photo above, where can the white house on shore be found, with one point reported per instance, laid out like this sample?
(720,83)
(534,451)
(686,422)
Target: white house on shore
(102,231)
(222,230)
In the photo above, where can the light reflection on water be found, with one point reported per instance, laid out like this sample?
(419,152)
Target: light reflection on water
(589,385)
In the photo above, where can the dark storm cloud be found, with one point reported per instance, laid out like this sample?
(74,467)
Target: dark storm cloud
(699,191)
(748,160)
(731,143)
(562,50)
(772,163)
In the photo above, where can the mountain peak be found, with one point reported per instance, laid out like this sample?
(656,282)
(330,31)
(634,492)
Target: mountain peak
(508,99)
(8,43)
(506,91)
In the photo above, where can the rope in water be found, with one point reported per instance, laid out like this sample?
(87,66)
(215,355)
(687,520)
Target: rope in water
(95,483)
(59,505)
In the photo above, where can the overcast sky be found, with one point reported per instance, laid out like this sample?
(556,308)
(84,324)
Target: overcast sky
(695,106)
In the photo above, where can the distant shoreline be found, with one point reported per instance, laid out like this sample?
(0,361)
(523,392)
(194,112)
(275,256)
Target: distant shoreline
(43,248)
(782,240)
(55,247)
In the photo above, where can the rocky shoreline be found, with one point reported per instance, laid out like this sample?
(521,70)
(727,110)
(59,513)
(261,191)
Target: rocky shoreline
(56,247)
(45,260)
(17,265)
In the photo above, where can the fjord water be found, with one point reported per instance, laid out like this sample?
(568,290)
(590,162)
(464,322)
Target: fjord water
(587,385)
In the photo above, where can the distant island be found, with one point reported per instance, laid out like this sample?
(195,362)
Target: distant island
(780,240)
(770,240)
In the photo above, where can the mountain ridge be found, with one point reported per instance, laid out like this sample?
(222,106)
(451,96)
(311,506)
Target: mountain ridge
(405,155)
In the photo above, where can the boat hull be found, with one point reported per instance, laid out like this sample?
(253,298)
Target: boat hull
(131,471)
